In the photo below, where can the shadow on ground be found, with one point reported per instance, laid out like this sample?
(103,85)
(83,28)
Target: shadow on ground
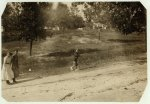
(26,80)
(124,41)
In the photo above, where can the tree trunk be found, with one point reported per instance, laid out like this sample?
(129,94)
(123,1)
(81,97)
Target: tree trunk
(31,41)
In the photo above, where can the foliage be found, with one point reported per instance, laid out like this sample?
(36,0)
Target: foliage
(64,18)
(128,17)
(10,17)
(125,16)
(31,18)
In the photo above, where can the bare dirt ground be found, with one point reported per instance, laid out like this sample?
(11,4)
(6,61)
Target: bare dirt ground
(119,81)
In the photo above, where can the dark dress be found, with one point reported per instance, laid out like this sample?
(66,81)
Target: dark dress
(15,66)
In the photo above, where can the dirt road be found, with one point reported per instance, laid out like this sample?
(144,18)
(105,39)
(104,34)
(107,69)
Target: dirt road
(120,81)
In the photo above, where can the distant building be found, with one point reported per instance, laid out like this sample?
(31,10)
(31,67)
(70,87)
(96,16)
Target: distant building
(55,28)
(99,26)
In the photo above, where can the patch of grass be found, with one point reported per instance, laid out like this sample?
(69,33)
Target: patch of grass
(55,55)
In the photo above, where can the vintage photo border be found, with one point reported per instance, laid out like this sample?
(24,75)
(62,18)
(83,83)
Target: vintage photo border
(145,99)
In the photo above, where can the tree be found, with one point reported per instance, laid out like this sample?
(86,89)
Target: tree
(10,17)
(126,16)
(10,22)
(65,18)
(31,21)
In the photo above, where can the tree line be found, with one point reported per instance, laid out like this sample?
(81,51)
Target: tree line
(33,17)
(127,17)
(27,20)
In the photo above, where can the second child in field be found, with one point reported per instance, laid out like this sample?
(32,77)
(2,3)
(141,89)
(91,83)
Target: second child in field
(75,62)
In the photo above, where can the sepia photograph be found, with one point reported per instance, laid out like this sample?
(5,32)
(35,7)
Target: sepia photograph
(73,51)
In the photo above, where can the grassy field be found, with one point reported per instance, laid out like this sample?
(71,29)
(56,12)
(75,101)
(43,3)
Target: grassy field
(54,55)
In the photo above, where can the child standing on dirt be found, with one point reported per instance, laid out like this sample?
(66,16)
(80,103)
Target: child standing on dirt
(75,62)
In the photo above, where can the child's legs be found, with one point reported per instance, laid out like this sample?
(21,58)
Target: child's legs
(73,66)
(76,64)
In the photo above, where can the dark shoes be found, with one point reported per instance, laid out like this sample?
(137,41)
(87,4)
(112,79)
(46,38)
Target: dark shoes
(14,80)
(7,82)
